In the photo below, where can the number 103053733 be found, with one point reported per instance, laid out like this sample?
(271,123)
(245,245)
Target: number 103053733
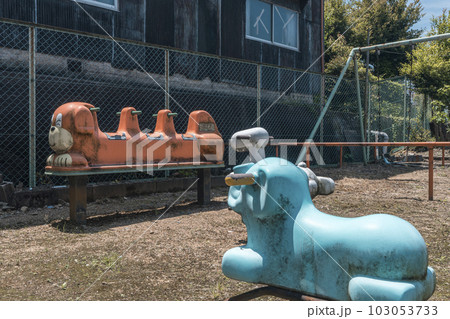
(403,310)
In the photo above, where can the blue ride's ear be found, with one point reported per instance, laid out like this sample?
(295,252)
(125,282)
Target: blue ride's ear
(267,204)
(261,177)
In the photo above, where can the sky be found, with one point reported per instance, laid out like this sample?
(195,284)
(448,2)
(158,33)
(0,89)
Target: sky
(430,8)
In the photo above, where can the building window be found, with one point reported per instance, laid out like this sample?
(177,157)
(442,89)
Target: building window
(271,24)
(285,27)
(259,20)
(108,4)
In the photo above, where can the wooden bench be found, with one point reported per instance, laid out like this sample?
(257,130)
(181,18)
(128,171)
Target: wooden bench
(78,186)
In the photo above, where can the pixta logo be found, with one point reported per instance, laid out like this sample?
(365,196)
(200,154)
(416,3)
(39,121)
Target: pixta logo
(256,149)
(304,153)
(149,152)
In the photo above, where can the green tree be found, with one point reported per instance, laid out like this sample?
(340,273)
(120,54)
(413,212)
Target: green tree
(336,22)
(337,56)
(430,69)
(387,21)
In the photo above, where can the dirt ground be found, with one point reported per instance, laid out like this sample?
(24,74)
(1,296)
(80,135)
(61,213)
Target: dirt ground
(178,256)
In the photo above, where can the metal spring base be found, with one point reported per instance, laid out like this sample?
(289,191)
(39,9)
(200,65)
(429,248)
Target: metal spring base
(273,291)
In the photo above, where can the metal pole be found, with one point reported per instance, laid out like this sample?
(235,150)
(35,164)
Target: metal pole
(358,94)
(32,106)
(368,117)
(430,172)
(424,108)
(308,164)
(405,94)
(442,36)
(366,100)
(167,88)
(166,84)
(258,95)
(322,100)
(273,291)
(322,68)
(332,94)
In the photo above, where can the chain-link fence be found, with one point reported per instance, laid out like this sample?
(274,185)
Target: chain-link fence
(42,68)
(394,108)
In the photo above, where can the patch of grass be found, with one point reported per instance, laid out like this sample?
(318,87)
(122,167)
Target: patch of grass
(217,291)
(110,262)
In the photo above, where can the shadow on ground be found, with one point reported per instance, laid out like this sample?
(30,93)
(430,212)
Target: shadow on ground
(100,223)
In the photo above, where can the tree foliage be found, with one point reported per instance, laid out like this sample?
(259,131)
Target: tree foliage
(430,69)
(336,14)
(386,20)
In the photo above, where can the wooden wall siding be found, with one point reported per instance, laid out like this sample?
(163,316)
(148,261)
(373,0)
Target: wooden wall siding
(128,22)
(17,9)
(186,24)
(210,26)
(232,33)
(160,22)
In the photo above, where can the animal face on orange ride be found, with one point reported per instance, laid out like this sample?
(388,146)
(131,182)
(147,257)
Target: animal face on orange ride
(71,135)
(79,144)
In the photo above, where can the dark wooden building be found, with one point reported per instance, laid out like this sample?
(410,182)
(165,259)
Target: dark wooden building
(108,74)
(280,32)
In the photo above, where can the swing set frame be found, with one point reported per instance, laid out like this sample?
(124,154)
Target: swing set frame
(353,56)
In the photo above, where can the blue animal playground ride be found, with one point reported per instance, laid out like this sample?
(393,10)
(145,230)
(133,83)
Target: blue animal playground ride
(293,246)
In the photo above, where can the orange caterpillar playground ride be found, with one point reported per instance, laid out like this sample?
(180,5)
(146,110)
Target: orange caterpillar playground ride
(80,146)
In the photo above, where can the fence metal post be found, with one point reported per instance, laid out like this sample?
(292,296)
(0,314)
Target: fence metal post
(32,106)
(405,94)
(258,95)
(369,106)
(366,94)
(358,94)
(424,110)
(430,172)
(166,88)
(322,102)
(166,73)
(308,161)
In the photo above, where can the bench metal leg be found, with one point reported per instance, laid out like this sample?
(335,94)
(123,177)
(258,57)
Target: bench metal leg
(204,186)
(78,198)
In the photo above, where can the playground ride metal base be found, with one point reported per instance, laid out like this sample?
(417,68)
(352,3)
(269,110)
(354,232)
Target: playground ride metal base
(275,292)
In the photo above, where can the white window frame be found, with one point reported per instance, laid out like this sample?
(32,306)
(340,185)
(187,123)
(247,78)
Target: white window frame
(272,29)
(114,7)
